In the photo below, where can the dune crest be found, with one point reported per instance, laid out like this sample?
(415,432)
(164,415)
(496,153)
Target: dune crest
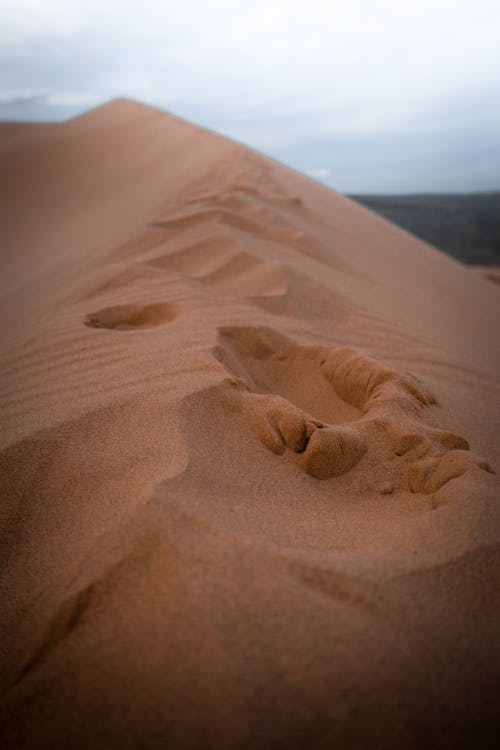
(248,454)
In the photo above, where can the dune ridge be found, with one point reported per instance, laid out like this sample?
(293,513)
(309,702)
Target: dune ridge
(249,455)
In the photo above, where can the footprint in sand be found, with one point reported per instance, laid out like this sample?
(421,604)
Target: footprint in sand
(339,407)
(222,265)
(130,317)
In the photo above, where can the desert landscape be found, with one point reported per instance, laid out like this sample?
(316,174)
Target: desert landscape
(249,455)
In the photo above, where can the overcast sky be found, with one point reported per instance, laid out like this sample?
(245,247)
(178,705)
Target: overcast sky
(365,95)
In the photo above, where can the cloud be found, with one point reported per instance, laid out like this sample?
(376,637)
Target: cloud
(321,173)
(325,78)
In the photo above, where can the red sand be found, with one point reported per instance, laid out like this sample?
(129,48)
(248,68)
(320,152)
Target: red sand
(248,442)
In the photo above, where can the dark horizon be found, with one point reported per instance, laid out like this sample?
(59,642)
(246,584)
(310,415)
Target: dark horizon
(465,226)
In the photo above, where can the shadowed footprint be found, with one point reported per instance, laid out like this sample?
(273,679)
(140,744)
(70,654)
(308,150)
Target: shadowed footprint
(335,406)
(130,317)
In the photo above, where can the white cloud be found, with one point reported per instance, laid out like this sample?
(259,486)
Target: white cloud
(321,173)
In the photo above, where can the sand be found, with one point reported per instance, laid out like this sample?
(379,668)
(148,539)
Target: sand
(492,273)
(249,439)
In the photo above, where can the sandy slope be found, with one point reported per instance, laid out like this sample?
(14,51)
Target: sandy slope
(248,439)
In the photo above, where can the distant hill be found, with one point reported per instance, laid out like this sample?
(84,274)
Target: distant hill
(464,226)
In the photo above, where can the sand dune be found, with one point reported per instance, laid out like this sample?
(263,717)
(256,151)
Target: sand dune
(249,455)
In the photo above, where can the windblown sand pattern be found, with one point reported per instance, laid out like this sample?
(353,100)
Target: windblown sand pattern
(249,455)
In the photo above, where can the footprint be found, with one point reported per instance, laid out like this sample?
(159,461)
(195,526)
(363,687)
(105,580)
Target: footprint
(329,451)
(130,317)
(336,406)
(224,266)
(272,363)
(233,219)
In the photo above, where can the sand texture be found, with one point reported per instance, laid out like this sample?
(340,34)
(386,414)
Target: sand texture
(249,455)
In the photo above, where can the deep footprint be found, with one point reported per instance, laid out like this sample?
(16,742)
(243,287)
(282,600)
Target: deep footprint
(271,363)
(374,410)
